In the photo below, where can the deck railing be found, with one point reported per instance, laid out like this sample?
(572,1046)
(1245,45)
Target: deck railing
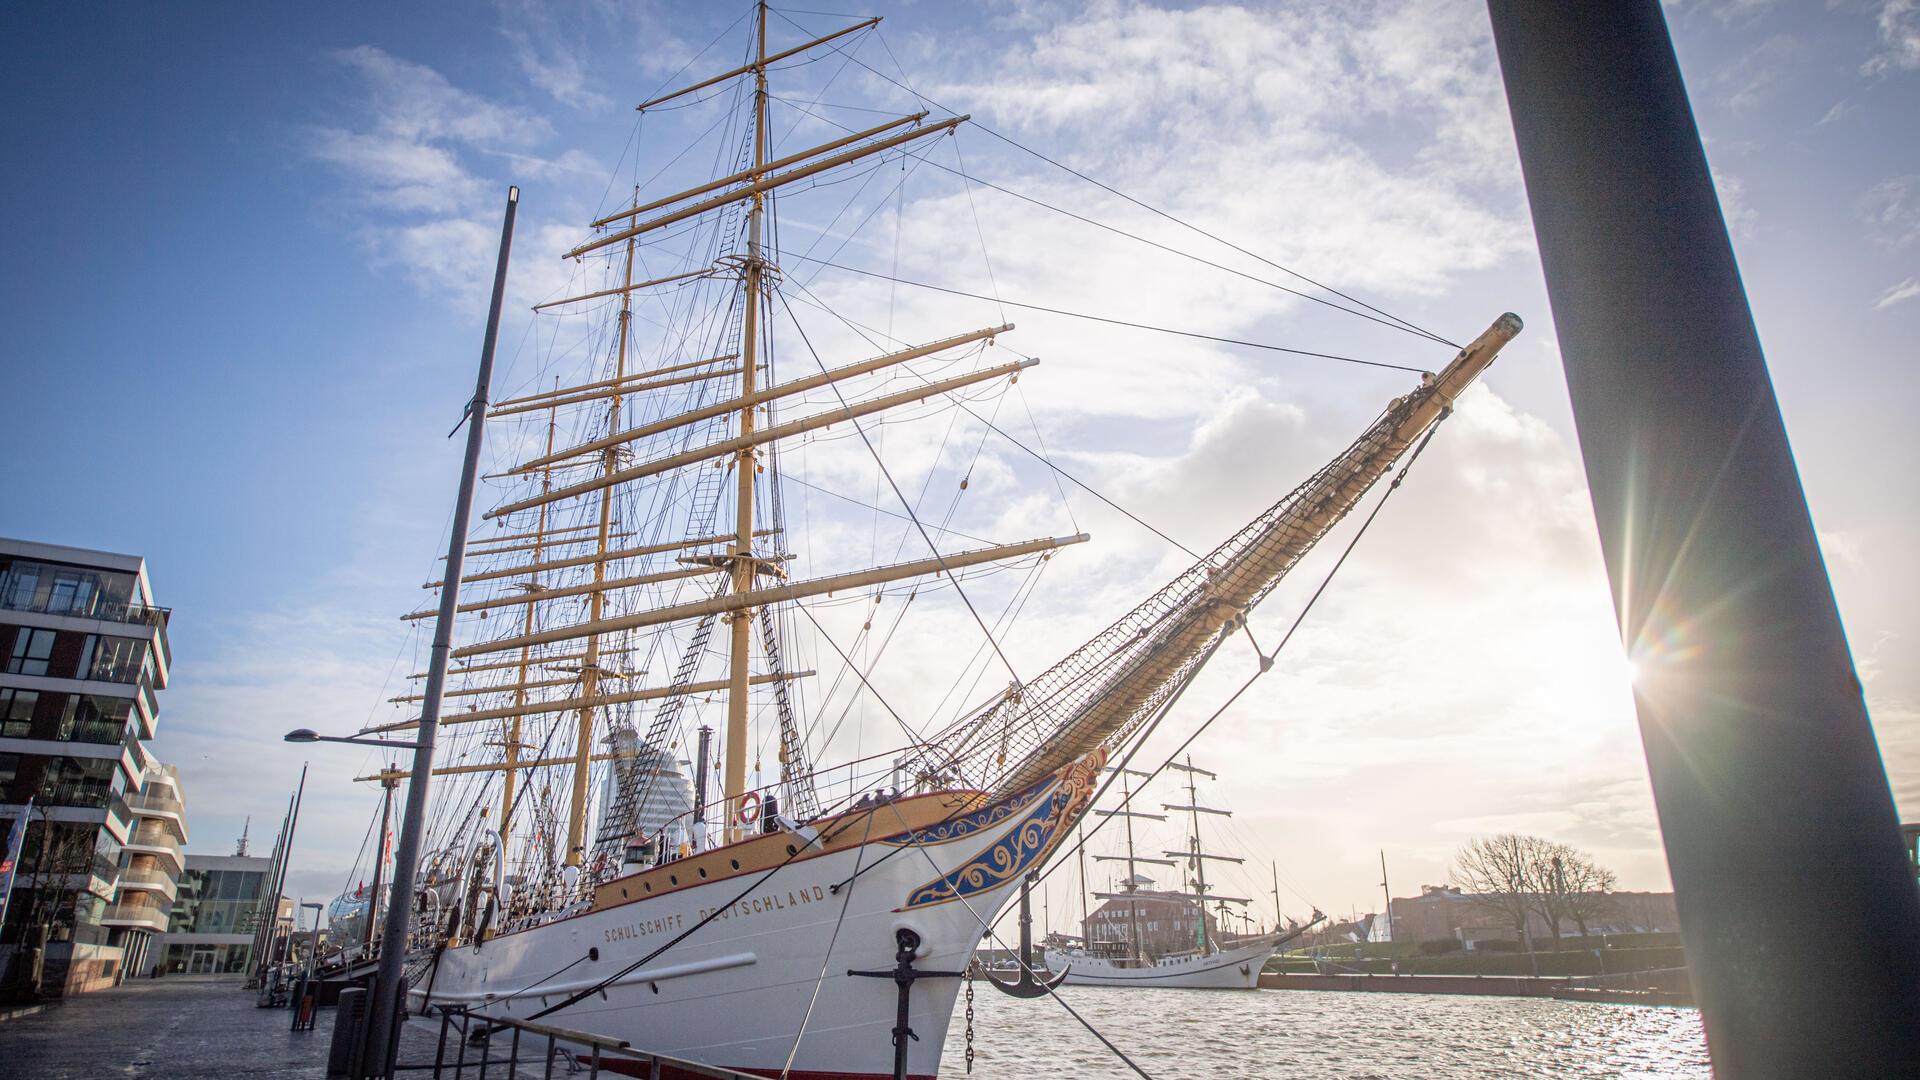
(475,1033)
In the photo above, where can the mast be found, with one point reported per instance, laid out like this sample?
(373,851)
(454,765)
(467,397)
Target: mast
(1277,918)
(741,626)
(1081,850)
(380,857)
(1199,861)
(1133,909)
(512,734)
(1388,893)
(590,665)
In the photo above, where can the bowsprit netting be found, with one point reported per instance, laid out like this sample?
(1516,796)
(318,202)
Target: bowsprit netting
(1102,692)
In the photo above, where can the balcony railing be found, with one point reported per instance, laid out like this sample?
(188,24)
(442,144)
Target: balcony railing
(148,839)
(159,804)
(131,741)
(94,607)
(153,918)
(154,879)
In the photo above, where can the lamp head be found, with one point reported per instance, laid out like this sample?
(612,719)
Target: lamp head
(302,735)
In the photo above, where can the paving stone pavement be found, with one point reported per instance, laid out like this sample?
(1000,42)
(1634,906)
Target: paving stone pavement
(182,1027)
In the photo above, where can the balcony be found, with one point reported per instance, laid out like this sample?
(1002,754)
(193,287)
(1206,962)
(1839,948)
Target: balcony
(137,915)
(158,881)
(146,803)
(92,606)
(157,809)
(149,842)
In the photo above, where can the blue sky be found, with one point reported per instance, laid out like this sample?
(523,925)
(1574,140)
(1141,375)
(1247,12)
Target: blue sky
(243,289)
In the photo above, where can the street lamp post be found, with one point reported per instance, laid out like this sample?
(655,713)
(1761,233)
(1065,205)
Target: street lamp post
(380,1041)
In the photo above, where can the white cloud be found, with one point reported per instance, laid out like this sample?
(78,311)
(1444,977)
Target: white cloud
(1740,217)
(1368,144)
(1892,208)
(413,101)
(1899,294)
(1898,22)
(551,57)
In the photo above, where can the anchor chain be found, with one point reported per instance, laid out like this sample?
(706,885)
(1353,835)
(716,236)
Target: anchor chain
(969,1019)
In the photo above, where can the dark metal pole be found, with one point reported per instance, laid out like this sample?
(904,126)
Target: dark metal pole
(262,931)
(279,881)
(701,763)
(393,942)
(1800,916)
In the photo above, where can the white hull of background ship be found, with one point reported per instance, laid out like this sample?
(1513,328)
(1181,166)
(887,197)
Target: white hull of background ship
(643,528)
(1227,966)
(1176,942)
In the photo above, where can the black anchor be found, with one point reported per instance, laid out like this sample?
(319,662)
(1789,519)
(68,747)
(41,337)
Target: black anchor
(1027,986)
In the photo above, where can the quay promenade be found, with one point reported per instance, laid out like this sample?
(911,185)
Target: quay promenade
(183,1026)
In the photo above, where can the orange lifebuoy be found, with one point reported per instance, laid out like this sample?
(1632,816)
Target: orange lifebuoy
(749,808)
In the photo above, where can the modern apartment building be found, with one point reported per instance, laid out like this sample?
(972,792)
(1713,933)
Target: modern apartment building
(83,654)
(151,865)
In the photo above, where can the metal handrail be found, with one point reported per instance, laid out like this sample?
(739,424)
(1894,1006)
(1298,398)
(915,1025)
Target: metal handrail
(142,913)
(147,877)
(596,1050)
(165,843)
(160,803)
(101,608)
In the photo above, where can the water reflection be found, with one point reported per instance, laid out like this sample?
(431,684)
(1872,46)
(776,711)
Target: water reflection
(1301,1034)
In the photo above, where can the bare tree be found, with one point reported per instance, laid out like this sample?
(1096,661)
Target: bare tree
(58,855)
(1498,873)
(1582,886)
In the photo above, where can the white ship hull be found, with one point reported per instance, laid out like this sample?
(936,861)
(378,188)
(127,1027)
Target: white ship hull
(1234,968)
(764,986)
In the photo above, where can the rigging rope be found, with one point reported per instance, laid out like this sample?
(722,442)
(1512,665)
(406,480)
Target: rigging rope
(1420,331)
(898,494)
(1117,322)
(1266,659)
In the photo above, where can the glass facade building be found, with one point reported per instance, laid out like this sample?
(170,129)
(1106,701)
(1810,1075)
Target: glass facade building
(222,900)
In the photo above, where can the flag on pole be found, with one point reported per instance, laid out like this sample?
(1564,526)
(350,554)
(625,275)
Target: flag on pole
(16,836)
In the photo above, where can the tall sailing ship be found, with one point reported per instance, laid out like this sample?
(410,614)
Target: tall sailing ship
(1178,938)
(607,850)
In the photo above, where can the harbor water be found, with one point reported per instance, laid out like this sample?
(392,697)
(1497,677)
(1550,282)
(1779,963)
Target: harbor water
(1286,1034)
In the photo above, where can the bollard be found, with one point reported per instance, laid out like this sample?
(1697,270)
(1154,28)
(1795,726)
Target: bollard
(348,1020)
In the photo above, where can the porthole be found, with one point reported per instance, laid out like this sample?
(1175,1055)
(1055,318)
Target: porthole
(703,871)
(735,862)
(648,885)
(791,850)
(673,879)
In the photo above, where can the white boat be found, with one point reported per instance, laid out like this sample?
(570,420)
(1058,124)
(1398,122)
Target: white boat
(642,532)
(1142,937)
(1231,965)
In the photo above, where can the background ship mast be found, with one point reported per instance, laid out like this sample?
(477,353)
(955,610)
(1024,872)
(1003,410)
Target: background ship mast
(1196,858)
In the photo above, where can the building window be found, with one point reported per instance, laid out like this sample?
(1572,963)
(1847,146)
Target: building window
(84,782)
(112,659)
(71,593)
(17,584)
(16,712)
(91,719)
(32,648)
